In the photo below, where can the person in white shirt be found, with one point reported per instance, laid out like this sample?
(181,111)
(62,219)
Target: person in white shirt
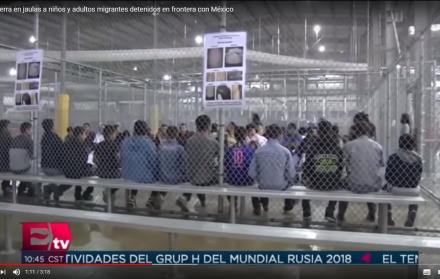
(254,137)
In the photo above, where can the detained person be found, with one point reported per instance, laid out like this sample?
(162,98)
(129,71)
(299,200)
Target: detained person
(273,168)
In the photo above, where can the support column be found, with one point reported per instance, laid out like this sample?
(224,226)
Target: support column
(222,130)
(154,113)
(374,63)
(63,107)
(34,114)
(390,58)
(422,114)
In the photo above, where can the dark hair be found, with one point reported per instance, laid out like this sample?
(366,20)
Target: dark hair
(250,126)
(69,129)
(302,131)
(182,124)
(407,142)
(77,131)
(324,127)
(291,125)
(203,123)
(109,131)
(24,126)
(362,128)
(256,119)
(214,127)
(405,119)
(47,125)
(335,129)
(273,131)
(360,116)
(4,124)
(172,132)
(126,133)
(240,134)
(140,128)
(87,124)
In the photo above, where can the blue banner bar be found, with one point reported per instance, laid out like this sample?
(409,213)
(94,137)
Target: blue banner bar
(224,257)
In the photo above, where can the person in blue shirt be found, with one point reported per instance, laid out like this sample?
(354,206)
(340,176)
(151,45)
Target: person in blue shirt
(172,159)
(171,156)
(292,139)
(139,158)
(273,168)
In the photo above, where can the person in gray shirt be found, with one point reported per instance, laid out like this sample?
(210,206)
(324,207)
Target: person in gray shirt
(21,153)
(273,169)
(364,159)
(201,160)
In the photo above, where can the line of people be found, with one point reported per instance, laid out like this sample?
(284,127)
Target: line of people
(273,159)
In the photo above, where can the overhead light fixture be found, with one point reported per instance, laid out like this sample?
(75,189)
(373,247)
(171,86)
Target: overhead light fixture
(166,77)
(435,27)
(317,29)
(32,39)
(135,68)
(411,30)
(12,72)
(321,48)
(198,39)
(398,66)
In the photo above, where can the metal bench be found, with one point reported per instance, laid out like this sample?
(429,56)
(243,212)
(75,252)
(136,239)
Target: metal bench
(296,192)
(356,240)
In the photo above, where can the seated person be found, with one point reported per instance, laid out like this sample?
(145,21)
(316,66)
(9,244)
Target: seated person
(21,153)
(5,142)
(172,159)
(201,157)
(363,160)
(273,168)
(106,157)
(75,162)
(51,157)
(403,173)
(139,158)
(322,169)
(238,159)
(171,164)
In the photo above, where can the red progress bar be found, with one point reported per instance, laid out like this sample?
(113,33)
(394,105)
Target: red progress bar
(64,264)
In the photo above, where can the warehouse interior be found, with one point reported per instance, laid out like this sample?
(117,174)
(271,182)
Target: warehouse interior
(306,60)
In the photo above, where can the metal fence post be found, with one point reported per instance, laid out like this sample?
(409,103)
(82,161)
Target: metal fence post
(383,218)
(8,235)
(222,128)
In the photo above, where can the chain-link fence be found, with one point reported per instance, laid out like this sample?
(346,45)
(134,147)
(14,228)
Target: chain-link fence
(306,122)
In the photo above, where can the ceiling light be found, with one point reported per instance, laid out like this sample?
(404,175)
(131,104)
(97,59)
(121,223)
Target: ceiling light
(435,27)
(32,39)
(198,39)
(166,77)
(317,29)
(411,30)
(321,48)
(398,66)
(135,68)
(12,72)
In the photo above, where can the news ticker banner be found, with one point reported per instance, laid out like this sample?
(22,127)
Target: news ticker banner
(222,257)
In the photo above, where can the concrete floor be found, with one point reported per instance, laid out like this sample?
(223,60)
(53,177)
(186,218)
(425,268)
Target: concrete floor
(103,237)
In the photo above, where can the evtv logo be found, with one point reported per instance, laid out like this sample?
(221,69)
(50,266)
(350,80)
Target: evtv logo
(46,236)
